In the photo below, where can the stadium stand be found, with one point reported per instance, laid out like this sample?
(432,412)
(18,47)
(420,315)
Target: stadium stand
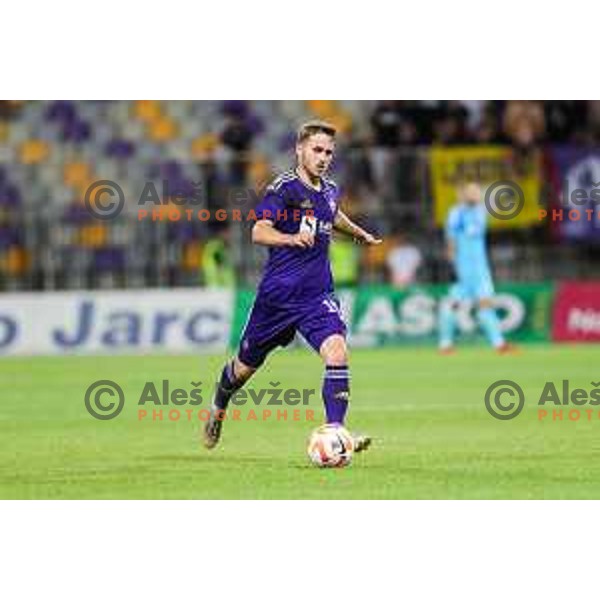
(52,152)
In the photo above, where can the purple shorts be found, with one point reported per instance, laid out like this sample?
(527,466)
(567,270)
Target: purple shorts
(269,326)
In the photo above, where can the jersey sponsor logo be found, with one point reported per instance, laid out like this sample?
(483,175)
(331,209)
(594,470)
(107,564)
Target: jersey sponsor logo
(308,225)
(312,225)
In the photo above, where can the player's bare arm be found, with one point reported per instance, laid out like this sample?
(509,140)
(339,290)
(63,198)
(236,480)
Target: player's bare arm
(345,225)
(265,234)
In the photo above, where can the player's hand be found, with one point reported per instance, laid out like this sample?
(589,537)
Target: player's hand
(370,240)
(303,240)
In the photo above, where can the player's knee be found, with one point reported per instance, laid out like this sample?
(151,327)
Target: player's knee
(242,371)
(334,351)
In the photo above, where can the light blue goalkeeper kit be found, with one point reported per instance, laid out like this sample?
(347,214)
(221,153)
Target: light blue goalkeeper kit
(466,229)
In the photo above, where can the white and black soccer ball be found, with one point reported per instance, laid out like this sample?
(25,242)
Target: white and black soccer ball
(330,446)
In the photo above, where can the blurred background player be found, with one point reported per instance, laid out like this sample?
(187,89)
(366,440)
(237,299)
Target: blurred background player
(296,291)
(466,250)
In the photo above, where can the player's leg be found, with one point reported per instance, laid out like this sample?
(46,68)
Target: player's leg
(488,319)
(265,330)
(447,326)
(447,319)
(234,375)
(491,326)
(336,379)
(324,329)
(336,385)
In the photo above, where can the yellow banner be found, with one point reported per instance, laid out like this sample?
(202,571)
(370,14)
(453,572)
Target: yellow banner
(510,182)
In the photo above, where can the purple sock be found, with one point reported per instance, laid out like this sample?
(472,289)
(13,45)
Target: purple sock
(336,392)
(226,387)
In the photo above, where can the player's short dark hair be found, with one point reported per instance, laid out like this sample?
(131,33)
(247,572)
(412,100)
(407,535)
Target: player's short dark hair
(313,127)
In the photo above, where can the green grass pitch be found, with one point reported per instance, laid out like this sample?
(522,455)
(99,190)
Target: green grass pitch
(433,436)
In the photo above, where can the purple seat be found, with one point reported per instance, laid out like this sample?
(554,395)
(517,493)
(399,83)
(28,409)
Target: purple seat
(76,214)
(255,124)
(76,131)
(10,196)
(235,108)
(183,231)
(9,237)
(182,187)
(120,149)
(172,173)
(164,170)
(62,111)
(171,168)
(109,259)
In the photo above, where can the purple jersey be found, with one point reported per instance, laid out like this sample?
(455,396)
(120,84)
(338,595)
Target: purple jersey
(296,275)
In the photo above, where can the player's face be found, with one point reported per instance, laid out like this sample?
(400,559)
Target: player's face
(316,153)
(472,193)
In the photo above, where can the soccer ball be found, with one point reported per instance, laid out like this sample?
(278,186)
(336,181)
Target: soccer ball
(330,446)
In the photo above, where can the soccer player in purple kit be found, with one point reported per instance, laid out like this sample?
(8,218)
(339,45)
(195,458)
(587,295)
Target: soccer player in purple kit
(295,220)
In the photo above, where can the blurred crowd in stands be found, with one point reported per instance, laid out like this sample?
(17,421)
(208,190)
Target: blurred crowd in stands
(521,123)
(52,152)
